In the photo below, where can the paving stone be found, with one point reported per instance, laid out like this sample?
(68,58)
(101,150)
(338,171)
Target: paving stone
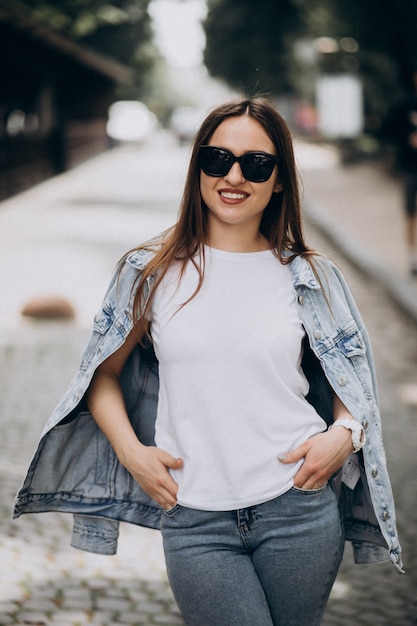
(168,619)
(6,617)
(36,603)
(135,617)
(101,617)
(31,617)
(70,618)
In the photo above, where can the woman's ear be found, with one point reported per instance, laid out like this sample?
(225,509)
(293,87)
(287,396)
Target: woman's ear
(277,188)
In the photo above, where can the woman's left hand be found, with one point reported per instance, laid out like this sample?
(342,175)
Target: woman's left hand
(323,455)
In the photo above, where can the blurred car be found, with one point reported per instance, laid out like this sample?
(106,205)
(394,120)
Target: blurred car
(130,121)
(185,122)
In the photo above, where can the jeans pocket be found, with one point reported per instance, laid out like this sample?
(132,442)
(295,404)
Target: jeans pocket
(171,510)
(309,491)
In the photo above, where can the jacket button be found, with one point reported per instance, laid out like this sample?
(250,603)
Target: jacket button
(342,381)
(375,472)
(301,299)
(318,334)
(385,516)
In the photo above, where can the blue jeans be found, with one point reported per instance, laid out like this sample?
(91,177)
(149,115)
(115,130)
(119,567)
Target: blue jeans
(270,564)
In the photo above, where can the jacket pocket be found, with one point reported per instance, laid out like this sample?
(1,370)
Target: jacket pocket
(352,345)
(76,458)
(101,325)
(354,349)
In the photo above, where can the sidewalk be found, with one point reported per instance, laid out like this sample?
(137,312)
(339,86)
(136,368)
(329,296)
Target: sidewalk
(359,208)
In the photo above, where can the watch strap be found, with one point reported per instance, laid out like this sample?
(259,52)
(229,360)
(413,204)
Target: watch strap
(357,430)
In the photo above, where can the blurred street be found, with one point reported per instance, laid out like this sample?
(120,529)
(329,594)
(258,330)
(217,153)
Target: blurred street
(64,237)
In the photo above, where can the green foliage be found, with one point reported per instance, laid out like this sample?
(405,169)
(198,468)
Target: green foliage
(120,29)
(249,43)
(77,18)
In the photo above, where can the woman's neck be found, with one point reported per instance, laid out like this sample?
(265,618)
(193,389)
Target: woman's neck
(230,240)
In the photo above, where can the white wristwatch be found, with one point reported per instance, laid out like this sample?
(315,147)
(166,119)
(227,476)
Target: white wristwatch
(358,432)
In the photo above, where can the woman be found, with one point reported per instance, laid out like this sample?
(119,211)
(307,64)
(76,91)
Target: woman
(260,353)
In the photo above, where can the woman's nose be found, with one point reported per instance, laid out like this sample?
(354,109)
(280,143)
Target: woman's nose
(235,174)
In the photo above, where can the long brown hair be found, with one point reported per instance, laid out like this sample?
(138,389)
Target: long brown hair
(281,222)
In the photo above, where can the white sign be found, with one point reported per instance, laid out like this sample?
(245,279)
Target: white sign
(339,106)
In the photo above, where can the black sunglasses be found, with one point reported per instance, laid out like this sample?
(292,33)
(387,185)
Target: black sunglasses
(256,166)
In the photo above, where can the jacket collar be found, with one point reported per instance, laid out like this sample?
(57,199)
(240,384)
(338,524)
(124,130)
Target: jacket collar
(303,273)
(139,259)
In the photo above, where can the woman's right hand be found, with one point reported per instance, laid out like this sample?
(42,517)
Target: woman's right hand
(150,467)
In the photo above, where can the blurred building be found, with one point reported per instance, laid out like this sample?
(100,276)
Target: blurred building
(54,97)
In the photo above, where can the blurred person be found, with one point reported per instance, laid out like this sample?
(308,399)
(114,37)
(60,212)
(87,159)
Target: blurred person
(401,129)
(228,397)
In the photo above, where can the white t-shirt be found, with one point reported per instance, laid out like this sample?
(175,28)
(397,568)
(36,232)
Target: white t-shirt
(232,392)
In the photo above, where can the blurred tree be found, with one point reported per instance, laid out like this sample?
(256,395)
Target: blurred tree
(385,31)
(386,27)
(118,28)
(250,45)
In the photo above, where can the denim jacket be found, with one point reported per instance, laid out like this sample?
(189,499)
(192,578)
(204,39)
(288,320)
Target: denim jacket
(75,469)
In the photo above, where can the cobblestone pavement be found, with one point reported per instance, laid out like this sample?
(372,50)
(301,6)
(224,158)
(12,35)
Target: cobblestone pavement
(68,240)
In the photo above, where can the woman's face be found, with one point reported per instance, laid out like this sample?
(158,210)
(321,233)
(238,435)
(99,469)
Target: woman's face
(233,201)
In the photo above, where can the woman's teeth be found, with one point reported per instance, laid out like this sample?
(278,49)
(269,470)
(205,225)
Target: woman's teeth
(233,196)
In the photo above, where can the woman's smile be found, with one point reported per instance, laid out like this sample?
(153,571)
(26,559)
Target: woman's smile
(233,197)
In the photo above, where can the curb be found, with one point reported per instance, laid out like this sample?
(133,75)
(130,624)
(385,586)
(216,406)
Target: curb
(398,288)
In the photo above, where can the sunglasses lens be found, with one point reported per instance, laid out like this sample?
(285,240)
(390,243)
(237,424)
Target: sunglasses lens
(214,161)
(257,166)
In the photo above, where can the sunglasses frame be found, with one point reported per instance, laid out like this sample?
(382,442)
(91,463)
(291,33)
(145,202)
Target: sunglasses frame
(240,160)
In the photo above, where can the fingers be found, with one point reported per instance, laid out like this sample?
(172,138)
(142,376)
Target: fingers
(163,488)
(309,478)
(295,455)
(321,456)
(312,482)
(166,491)
(151,471)
(316,467)
(167,488)
(173,463)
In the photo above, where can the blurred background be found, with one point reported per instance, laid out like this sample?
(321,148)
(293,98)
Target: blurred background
(335,67)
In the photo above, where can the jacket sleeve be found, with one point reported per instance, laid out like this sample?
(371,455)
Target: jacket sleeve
(95,534)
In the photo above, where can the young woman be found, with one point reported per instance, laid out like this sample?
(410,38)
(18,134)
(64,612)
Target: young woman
(262,389)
